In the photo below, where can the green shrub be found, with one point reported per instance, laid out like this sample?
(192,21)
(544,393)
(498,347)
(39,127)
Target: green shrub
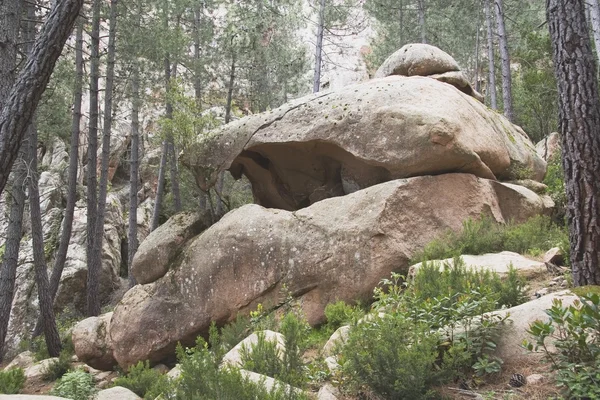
(141,379)
(340,313)
(392,356)
(12,381)
(487,236)
(58,368)
(201,378)
(575,332)
(263,357)
(235,332)
(75,385)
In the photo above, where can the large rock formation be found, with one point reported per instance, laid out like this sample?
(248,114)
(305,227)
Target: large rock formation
(335,143)
(336,249)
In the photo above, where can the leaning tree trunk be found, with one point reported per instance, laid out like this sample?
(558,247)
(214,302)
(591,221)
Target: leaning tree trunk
(92,180)
(579,123)
(95,262)
(10,14)
(8,266)
(319,48)
(132,240)
(492,64)
(594,13)
(67,225)
(161,186)
(19,107)
(505,59)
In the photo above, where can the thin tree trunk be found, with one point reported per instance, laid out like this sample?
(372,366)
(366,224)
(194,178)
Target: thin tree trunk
(41,273)
(505,59)
(579,124)
(477,45)
(594,13)
(132,240)
(67,225)
(19,107)
(95,266)
(161,186)
(422,24)
(173,157)
(92,180)
(10,14)
(198,83)
(230,90)
(8,266)
(492,66)
(319,48)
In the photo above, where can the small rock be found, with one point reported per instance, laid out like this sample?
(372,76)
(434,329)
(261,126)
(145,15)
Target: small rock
(38,370)
(332,364)
(541,292)
(234,356)
(536,379)
(23,360)
(116,393)
(564,283)
(552,283)
(338,338)
(554,256)
(328,392)
(162,368)
(175,372)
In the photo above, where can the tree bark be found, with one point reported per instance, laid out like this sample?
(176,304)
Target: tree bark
(422,24)
(173,157)
(25,94)
(491,61)
(579,124)
(505,59)
(92,180)
(198,82)
(95,264)
(230,90)
(594,13)
(319,48)
(132,240)
(10,15)
(8,266)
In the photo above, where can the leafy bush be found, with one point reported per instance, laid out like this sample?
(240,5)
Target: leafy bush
(141,379)
(12,381)
(340,313)
(58,368)
(575,332)
(487,236)
(435,279)
(201,378)
(75,385)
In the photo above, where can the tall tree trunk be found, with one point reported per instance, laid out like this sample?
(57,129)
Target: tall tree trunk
(579,124)
(422,23)
(161,186)
(319,48)
(230,90)
(19,107)
(173,157)
(95,265)
(505,59)
(492,65)
(594,13)
(132,240)
(61,254)
(8,265)
(92,180)
(41,273)
(198,82)
(67,225)
(10,15)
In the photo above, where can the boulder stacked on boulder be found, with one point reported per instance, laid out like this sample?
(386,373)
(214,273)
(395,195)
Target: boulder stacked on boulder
(356,183)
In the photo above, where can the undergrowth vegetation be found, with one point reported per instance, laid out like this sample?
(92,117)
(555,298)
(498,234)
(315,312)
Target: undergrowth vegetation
(75,385)
(484,235)
(12,381)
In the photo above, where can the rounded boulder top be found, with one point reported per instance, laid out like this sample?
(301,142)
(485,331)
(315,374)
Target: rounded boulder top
(417,59)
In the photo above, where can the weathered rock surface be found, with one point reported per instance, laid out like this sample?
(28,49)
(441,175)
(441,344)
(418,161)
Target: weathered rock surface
(37,370)
(29,397)
(267,382)
(495,262)
(162,246)
(336,249)
(90,339)
(509,343)
(337,339)
(417,59)
(233,358)
(335,143)
(116,393)
(23,360)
